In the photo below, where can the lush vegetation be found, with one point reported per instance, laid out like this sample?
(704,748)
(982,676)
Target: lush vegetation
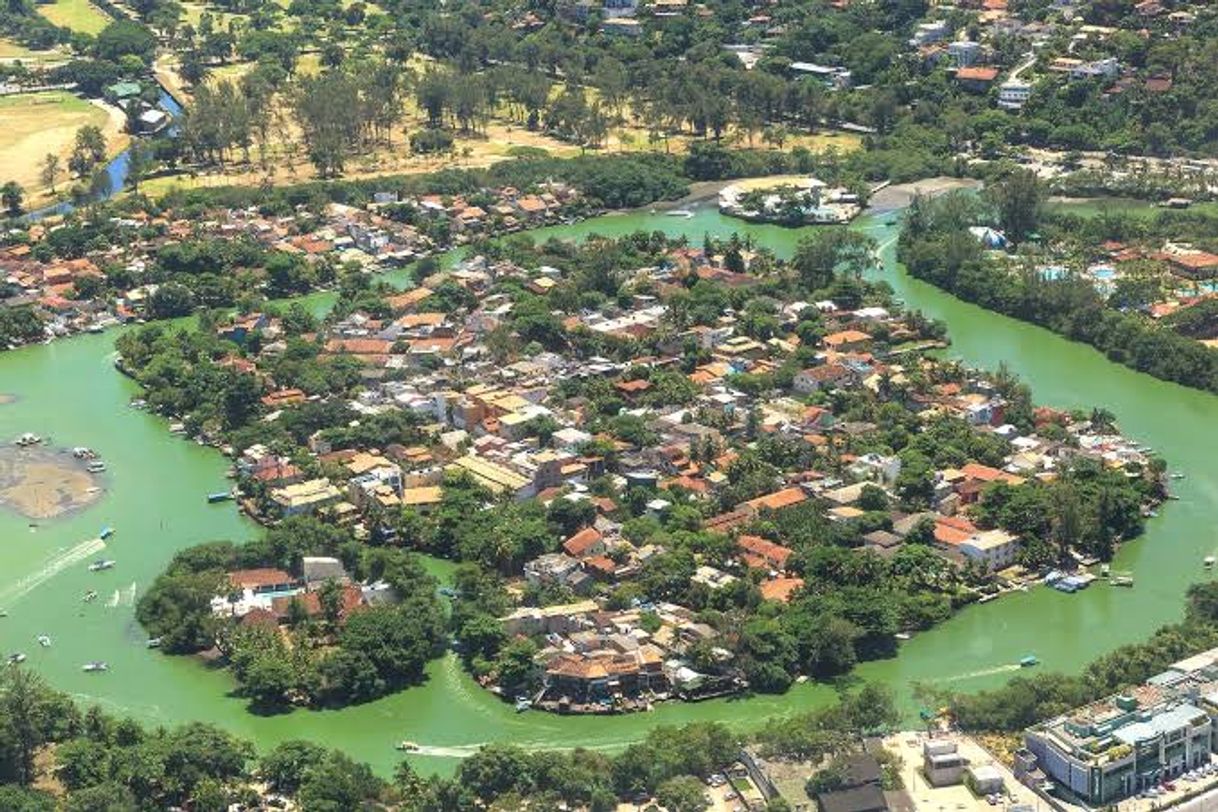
(332,659)
(936,246)
(104,763)
(1025,701)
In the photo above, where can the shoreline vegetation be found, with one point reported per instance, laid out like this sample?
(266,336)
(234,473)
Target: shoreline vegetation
(1131,287)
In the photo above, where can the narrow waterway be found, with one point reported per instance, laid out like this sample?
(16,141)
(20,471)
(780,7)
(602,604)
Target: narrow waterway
(157,485)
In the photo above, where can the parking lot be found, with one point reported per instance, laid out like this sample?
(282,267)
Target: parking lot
(956,798)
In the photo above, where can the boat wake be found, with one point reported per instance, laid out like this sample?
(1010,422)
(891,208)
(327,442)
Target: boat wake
(984,672)
(122,597)
(467,750)
(57,564)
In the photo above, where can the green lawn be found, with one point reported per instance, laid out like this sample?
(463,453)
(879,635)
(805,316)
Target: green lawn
(12,50)
(79,15)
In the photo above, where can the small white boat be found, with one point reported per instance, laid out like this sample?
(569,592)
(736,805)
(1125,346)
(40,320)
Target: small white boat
(90,596)
(407,746)
(44,641)
(101,564)
(903,635)
(28,439)
(94,667)
(686,213)
(153,642)
(95,467)
(1208,563)
(13,659)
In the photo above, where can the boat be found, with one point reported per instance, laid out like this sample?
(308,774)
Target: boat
(1208,562)
(219,496)
(13,659)
(1028,661)
(106,532)
(1122,580)
(28,439)
(101,564)
(903,635)
(91,595)
(686,213)
(3,613)
(1177,475)
(94,667)
(523,703)
(83,453)
(407,746)
(44,641)
(153,642)
(95,467)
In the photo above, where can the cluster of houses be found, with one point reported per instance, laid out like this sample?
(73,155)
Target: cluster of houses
(803,201)
(269,596)
(392,230)
(1184,275)
(479,416)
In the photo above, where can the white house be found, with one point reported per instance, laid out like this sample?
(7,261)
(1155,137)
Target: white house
(992,549)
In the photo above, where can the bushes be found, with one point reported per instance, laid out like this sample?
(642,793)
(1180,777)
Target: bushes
(430,141)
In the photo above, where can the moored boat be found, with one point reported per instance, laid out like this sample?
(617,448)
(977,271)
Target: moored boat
(106,532)
(1028,661)
(101,564)
(94,667)
(407,746)
(44,641)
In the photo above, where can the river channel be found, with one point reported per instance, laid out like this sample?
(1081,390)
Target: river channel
(156,486)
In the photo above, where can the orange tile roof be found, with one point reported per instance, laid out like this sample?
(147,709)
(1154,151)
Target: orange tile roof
(780,589)
(777,500)
(583,541)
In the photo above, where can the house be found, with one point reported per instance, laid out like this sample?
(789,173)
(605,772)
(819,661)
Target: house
(1013,94)
(826,376)
(305,497)
(928,32)
(759,553)
(587,542)
(977,78)
(847,341)
(860,790)
(991,549)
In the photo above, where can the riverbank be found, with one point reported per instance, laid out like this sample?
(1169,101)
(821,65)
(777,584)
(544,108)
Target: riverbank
(450,715)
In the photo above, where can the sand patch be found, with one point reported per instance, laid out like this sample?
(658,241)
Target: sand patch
(43,483)
(900,195)
(6,399)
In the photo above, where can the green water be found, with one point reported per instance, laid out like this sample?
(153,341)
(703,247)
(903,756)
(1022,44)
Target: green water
(156,502)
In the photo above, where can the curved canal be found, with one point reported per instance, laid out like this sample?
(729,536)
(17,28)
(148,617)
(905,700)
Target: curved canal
(155,500)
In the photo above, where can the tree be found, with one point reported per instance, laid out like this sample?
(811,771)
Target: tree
(819,255)
(683,793)
(12,195)
(338,784)
(1018,200)
(286,767)
(124,36)
(50,170)
(330,595)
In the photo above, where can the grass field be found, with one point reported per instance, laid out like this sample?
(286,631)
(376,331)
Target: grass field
(39,123)
(11,51)
(79,15)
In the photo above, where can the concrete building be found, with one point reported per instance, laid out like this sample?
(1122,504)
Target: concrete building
(1013,94)
(1121,745)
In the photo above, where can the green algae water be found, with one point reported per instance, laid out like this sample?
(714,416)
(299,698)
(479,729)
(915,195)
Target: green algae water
(156,502)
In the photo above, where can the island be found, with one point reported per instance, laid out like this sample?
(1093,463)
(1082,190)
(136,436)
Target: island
(664,472)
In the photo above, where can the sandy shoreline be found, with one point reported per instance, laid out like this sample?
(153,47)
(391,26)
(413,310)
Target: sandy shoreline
(45,483)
